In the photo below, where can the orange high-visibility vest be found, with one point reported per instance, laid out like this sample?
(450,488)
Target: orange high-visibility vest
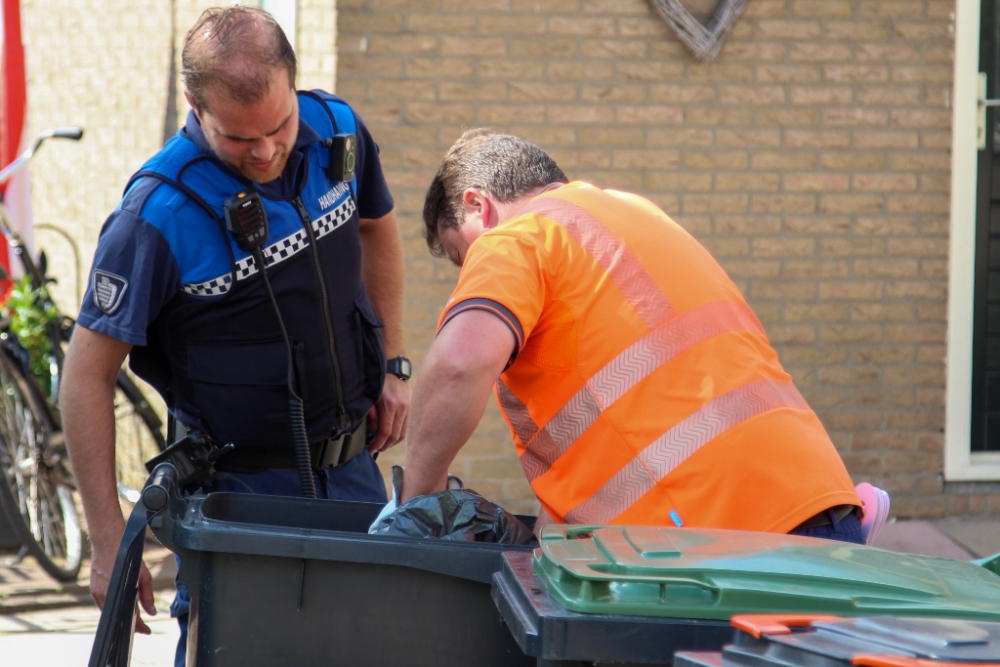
(643,389)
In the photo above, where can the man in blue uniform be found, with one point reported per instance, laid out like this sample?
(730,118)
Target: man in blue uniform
(172,288)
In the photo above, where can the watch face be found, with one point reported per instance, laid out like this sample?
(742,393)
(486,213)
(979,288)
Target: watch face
(400,367)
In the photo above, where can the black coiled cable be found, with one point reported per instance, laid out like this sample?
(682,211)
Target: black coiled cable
(303,459)
(296,409)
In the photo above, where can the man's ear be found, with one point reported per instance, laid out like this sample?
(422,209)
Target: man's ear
(479,206)
(194,107)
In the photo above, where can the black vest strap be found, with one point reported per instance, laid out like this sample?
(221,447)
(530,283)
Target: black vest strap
(196,198)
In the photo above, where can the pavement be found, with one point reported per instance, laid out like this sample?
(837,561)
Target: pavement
(64,637)
(26,587)
(946,538)
(43,623)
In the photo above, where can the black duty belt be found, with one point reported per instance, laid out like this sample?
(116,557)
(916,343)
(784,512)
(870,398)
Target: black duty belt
(324,454)
(824,518)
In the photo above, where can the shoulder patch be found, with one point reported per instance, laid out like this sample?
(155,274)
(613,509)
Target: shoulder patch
(108,291)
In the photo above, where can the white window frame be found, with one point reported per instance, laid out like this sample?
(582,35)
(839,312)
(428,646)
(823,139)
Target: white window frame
(960,463)
(285,12)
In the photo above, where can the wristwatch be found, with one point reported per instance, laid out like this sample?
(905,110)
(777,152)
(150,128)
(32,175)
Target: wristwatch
(400,367)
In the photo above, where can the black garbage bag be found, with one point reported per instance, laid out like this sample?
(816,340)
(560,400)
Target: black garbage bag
(456,514)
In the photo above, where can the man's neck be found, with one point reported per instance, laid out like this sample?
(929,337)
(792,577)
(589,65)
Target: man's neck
(513,208)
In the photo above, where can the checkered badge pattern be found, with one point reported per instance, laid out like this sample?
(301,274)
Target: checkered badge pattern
(334,218)
(214,287)
(277,252)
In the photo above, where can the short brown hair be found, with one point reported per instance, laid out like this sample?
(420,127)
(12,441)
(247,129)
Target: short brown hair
(234,49)
(502,165)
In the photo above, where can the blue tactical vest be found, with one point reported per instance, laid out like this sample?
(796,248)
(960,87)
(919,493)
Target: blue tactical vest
(215,351)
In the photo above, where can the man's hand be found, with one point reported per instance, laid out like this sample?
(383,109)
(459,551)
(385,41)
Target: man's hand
(382,273)
(388,417)
(101,565)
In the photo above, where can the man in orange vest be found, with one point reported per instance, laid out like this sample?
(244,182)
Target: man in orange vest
(638,385)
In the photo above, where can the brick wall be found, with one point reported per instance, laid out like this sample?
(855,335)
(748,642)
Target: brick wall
(102,66)
(812,159)
(316,44)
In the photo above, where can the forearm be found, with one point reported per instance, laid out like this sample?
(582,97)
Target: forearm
(382,273)
(87,403)
(447,406)
(454,385)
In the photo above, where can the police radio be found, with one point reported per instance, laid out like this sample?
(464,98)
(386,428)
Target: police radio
(343,157)
(246,219)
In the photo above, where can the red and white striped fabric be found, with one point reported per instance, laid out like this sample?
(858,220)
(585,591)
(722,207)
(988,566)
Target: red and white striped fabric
(14,123)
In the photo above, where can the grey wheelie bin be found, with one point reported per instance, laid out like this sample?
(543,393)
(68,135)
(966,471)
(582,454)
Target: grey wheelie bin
(637,595)
(289,581)
(879,641)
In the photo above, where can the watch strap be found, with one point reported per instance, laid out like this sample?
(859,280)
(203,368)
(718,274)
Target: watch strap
(400,367)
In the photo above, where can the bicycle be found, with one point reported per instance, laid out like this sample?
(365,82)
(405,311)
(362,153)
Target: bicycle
(37,489)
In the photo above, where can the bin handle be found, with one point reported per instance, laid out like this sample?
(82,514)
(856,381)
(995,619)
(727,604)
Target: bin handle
(875,660)
(776,624)
(162,486)
(560,532)
(113,640)
(991,563)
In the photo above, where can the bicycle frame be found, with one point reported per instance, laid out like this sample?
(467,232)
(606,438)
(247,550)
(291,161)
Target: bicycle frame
(36,483)
(74,133)
(58,332)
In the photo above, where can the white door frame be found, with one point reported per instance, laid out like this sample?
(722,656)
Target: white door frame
(960,463)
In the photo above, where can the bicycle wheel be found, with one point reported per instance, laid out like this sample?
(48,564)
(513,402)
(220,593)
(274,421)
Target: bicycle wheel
(37,491)
(138,437)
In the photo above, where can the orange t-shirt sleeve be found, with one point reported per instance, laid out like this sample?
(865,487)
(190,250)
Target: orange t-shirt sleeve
(502,274)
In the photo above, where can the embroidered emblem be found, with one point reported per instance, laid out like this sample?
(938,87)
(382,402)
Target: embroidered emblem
(108,291)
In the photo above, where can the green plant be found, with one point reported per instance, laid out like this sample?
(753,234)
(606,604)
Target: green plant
(31,313)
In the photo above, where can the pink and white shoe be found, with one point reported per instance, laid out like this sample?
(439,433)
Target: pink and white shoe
(874,510)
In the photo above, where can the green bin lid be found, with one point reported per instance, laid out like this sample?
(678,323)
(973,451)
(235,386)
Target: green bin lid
(695,573)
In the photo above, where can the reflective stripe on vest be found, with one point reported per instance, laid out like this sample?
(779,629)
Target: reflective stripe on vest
(632,366)
(672,448)
(670,335)
(625,271)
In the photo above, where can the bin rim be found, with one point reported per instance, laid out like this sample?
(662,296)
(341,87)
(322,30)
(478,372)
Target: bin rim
(187,529)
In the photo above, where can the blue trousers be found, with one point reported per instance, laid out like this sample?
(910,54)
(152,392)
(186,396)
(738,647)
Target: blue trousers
(358,479)
(847,529)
